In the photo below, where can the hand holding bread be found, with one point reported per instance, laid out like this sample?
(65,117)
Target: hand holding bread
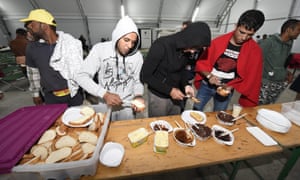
(223,91)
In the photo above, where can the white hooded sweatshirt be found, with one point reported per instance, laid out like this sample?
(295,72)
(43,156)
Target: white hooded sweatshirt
(116,74)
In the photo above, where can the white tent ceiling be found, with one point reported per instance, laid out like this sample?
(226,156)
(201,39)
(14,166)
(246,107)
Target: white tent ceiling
(95,19)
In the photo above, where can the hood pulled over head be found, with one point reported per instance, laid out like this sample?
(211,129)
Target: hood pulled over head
(123,27)
(194,35)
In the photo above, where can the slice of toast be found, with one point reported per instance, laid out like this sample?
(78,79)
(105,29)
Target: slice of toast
(196,116)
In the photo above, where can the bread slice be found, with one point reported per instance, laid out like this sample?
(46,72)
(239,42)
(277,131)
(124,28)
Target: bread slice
(65,141)
(141,106)
(59,155)
(88,148)
(196,116)
(48,135)
(88,136)
(87,114)
(39,151)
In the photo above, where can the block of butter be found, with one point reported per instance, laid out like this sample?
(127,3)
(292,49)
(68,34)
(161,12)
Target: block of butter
(161,141)
(138,137)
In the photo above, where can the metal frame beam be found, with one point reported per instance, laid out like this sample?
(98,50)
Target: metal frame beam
(225,11)
(197,3)
(160,12)
(85,21)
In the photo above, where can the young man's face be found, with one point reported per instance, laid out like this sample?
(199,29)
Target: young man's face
(294,33)
(35,29)
(241,35)
(126,43)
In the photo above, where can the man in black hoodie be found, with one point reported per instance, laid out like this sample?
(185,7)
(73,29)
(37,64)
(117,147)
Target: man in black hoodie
(164,68)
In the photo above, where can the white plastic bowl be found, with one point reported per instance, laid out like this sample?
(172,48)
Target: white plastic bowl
(112,154)
(220,141)
(191,144)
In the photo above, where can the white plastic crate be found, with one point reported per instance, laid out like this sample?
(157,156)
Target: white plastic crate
(65,170)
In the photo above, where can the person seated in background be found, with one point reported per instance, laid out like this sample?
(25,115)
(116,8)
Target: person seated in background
(18,48)
(118,63)
(233,61)
(56,60)
(276,50)
(164,68)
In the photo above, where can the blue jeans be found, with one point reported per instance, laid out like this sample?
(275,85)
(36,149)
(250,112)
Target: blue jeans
(206,92)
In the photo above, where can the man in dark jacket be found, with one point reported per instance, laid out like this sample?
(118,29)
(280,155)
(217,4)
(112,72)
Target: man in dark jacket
(164,68)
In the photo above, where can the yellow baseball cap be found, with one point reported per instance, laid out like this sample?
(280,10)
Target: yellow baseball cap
(40,15)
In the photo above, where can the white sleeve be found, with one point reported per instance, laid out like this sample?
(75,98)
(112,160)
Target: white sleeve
(85,75)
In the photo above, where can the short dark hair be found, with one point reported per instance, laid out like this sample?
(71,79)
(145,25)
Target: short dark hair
(290,23)
(252,19)
(21,31)
(187,22)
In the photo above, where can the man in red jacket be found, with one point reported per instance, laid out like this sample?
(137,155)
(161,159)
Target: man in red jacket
(233,61)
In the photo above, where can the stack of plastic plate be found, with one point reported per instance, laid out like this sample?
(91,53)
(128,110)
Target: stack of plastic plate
(291,110)
(273,120)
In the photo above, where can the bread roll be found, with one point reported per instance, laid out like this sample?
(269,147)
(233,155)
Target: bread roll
(59,155)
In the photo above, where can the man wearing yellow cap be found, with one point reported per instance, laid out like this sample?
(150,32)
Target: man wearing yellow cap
(55,56)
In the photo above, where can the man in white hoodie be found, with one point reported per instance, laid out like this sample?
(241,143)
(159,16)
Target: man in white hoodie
(118,63)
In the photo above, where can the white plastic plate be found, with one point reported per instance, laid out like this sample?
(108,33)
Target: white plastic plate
(186,117)
(73,113)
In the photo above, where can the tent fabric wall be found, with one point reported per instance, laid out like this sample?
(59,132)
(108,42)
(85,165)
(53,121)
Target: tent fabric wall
(102,15)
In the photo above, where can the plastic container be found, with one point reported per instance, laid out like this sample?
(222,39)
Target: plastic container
(161,141)
(291,111)
(73,169)
(21,129)
(112,154)
(225,140)
(138,137)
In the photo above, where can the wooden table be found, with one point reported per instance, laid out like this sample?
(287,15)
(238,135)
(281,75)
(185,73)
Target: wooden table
(142,160)
(289,140)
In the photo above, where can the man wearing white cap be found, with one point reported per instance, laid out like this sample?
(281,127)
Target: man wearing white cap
(57,56)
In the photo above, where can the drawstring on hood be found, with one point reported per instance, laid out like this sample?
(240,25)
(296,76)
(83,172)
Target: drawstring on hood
(123,27)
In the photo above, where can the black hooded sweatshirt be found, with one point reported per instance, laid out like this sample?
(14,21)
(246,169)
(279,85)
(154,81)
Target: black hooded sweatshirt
(163,68)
